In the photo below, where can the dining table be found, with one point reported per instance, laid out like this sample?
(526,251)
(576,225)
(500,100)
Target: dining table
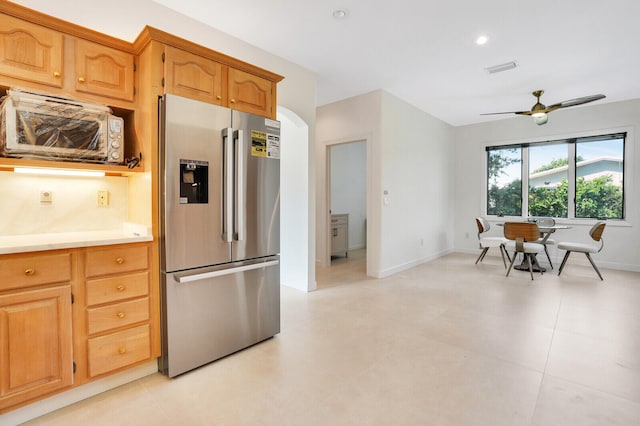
(546,230)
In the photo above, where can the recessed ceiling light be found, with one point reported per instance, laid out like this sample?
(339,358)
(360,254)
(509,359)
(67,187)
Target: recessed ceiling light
(483,39)
(340,13)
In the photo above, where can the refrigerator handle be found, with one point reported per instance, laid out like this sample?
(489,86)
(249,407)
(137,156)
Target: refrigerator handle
(222,272)
(239,147)
(227,185)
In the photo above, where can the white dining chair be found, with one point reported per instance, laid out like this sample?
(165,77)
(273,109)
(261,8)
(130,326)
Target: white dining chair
(487,242)
(543,223)
(596,234)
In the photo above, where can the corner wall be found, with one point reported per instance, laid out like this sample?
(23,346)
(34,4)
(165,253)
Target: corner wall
(409,155)
(622,238)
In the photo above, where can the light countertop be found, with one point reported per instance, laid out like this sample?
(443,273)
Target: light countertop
(129,233)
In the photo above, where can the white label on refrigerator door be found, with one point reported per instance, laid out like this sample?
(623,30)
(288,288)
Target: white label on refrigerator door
(272,123)
(273,146)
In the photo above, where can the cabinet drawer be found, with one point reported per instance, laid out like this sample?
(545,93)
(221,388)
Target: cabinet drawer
(117,315)
(26,270)
(117,350)
(112,289)
(116,260)
(339,220)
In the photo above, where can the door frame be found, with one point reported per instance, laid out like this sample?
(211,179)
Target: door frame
(326,255)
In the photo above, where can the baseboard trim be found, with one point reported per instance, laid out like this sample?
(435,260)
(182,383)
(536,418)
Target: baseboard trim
(55,402)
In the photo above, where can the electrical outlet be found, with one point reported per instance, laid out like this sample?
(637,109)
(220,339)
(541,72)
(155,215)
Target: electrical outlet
(46,196)
(103,198)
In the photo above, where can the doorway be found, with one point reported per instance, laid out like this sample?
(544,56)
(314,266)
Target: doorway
(347,202)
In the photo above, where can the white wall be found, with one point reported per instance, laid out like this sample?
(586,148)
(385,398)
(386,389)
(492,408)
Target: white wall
(410,155)
(296,270)
(417,172)
(297,92)
(350,120)
(349,188)
(74,205)
(622,238)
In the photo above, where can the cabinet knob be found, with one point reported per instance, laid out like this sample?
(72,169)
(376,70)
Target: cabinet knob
(29,271)
(218,97)
(56,74)
(81,79)
(121,314)
(119,260)
(122,351)
(120,287)
(233,101)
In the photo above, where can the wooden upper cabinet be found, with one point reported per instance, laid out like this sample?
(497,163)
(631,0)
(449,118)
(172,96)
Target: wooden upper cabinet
(193,76)
(30,52)
(103,71)
(250,93)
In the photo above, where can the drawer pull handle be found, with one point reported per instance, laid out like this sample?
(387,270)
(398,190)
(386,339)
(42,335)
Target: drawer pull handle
(120,287)
(218,97)
(122,351)
(81,79)
(121,315)
(233,101)
(119,260)
(56,74)
(29,271)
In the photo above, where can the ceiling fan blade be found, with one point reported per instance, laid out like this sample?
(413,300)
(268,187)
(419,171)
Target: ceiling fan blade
(507,112)
(577,101)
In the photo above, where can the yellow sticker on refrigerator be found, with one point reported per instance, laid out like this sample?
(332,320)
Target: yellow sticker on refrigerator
(265,144)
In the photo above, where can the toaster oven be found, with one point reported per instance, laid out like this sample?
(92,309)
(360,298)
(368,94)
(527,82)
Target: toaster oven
(48,127)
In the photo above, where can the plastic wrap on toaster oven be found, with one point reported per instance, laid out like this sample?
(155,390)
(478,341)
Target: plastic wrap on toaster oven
(51,130)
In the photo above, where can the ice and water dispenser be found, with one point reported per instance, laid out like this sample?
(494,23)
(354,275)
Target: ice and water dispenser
(194,178)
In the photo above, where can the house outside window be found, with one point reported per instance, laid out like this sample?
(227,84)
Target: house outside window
(569,178)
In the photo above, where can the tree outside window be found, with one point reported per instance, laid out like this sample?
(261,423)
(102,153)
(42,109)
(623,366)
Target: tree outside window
(597,163)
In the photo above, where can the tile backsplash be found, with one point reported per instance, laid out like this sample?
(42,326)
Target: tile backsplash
(73,206)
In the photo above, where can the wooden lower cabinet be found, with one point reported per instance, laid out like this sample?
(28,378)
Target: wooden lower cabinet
(116,350)
(117,307)
(71,316)
(35,344)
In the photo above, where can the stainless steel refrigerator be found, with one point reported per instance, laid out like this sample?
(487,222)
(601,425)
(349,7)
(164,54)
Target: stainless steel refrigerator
(220,231)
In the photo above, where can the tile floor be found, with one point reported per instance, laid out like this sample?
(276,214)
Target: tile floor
(445,343)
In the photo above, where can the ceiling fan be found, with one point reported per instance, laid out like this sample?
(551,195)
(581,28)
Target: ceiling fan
(539,111)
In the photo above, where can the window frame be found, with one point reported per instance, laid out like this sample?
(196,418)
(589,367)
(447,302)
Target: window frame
(627,181)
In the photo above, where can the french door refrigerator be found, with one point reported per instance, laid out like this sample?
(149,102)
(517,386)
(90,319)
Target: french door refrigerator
(220,231)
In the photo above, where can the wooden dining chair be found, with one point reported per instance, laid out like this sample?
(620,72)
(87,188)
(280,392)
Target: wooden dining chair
(521,236)
(596,234)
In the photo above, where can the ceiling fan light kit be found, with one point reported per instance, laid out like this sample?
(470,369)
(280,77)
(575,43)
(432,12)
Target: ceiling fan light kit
(539,111)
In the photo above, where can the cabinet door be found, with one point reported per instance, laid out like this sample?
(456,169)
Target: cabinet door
(103,71)
(338,239)
(250,93)
(193,76)
(30,52)
(35,343)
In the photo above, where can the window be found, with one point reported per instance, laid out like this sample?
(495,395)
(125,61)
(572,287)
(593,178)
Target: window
(570,178)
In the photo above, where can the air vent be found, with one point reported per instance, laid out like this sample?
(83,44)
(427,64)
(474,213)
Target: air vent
(502,67)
